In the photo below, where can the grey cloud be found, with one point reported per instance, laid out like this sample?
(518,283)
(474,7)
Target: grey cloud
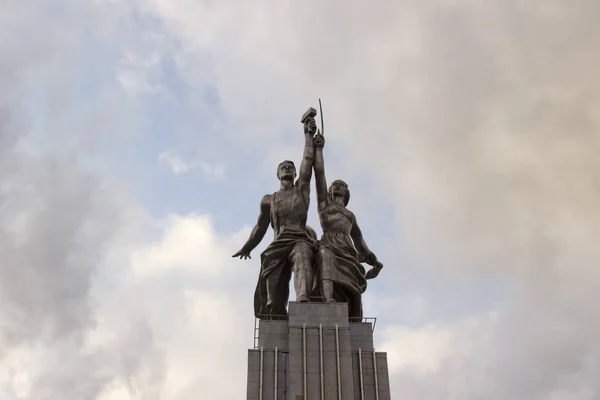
(56,222)
(58,218)
(497,172)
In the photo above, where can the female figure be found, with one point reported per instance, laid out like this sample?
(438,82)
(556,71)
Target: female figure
(340,275)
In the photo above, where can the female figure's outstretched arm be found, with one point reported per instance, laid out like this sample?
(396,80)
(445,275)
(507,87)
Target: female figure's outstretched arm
(364,251)
(322,196)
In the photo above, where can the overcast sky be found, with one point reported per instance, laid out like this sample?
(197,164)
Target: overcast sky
(137,138)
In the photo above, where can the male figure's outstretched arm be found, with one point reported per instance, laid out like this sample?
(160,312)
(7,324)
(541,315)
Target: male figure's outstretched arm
(259,230)
(308,157)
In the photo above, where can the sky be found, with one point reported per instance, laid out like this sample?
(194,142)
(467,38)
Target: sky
(137,138)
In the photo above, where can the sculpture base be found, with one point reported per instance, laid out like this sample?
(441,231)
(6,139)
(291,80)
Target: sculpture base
(316,354)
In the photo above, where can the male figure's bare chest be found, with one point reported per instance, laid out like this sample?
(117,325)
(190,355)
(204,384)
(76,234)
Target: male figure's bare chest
(286,204)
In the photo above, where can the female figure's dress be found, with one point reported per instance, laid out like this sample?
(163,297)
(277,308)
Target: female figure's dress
(338,260)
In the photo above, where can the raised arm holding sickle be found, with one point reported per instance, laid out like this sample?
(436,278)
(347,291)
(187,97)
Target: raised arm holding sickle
(292,248)
(341,277)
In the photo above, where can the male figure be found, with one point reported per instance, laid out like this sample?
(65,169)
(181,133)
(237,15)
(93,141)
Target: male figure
(292,248)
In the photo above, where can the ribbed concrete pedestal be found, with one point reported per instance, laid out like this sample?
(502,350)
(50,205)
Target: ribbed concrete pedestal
(317,354)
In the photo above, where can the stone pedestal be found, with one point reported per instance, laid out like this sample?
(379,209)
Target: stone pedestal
(317,354)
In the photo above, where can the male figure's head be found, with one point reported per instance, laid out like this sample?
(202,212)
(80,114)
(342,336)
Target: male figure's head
(286,171)
(339,188)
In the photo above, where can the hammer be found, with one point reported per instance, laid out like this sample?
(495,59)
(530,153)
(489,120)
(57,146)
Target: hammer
(310,113)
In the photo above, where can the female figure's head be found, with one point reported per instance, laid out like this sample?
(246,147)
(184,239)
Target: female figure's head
(339,189)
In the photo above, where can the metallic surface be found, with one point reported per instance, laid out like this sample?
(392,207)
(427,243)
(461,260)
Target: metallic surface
(342,247)
(286,211)
(310,113)
(322,123)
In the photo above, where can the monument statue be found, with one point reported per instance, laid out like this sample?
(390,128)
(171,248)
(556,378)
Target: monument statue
(340,276)
(292,249)
(323,348)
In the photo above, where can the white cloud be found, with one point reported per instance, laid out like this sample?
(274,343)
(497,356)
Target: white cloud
(175,163)
(189,244)
(155,331)
(420,350)
(140,68)
(179,166)
(185,286)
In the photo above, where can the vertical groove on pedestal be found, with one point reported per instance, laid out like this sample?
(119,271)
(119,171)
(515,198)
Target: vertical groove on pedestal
(321,361)
(275,377)
(285,358)
(360,371)
(375,372)
(260,377)
(304,360)
(337,354)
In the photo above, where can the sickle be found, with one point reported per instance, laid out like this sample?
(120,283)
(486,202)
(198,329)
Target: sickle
(322,124)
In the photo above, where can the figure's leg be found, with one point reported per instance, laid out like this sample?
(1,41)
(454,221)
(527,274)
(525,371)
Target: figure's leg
(325,259)
(277,296)
(271,285)
(327,290)
(355,309)
(301,259)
